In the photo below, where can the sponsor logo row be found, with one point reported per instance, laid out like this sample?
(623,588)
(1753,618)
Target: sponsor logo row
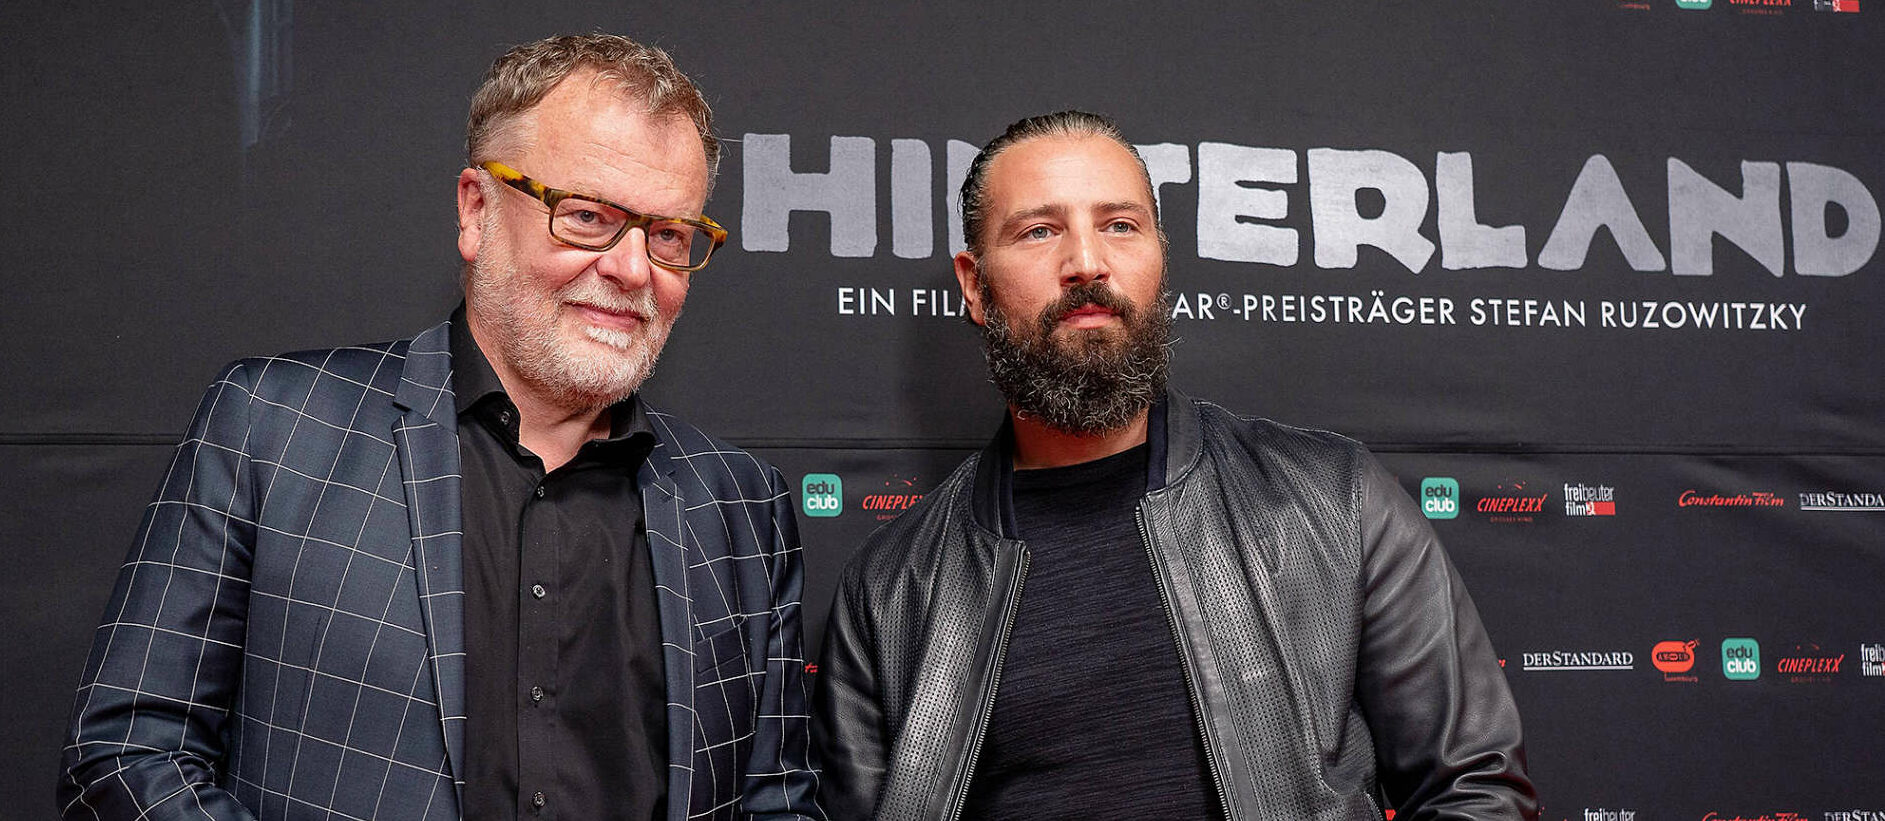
(821,495)
(1758,6)
(1772,9)
(1678,660)
(1441,497)
(1620,814)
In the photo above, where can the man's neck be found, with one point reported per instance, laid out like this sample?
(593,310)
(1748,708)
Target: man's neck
(1038,446)
(552,432)
(546,428)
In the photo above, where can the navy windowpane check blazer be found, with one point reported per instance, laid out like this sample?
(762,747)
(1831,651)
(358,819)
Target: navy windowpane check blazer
(286,638)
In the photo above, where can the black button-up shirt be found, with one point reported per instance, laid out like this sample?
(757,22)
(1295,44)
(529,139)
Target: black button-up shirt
(566,706)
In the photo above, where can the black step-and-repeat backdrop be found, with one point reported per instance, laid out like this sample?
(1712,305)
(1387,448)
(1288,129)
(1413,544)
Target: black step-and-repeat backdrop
(1600,280)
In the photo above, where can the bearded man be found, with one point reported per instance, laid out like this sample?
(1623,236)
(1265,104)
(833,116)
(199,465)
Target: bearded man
(1134,604)
(471,574)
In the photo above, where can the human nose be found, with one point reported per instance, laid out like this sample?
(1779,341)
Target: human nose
(1085,258)
(627,264)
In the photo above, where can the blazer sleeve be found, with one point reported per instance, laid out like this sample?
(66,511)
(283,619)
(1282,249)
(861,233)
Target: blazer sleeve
(780,780)
(147,734)
(1445,728)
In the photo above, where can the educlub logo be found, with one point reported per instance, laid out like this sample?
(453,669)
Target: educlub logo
(1741,659)
(822,494)
(1440,497)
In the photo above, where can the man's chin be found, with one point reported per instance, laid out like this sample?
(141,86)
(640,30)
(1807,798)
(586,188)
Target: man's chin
(586,339)
(592,373)
(1084,342)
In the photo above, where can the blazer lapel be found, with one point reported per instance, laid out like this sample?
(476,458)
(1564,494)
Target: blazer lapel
(426,435)
(671,545)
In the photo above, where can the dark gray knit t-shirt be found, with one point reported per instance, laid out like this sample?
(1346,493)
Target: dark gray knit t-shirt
(1091,717)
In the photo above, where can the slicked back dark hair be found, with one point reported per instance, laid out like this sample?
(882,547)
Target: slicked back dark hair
(1068,123)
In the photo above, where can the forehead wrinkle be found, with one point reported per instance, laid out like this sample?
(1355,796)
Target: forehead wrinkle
(597,166)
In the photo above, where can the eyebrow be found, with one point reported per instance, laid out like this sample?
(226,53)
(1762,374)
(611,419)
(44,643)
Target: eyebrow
(1125,205)
(1015,219)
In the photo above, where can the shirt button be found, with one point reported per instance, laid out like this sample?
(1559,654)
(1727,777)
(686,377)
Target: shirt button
(537,800)
(536,694)
(538,591)
(539,491)
(504,417)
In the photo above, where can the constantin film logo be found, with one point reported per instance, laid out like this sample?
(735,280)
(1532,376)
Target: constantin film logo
(1589,500)
(822,495)
(1676,659)
(1512,502)
(896,496)
(1555,660)
(1829,500)
(1753,498)
(1777,815)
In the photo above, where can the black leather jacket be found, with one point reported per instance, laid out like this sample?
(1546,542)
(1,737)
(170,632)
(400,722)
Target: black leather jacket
(1331,653)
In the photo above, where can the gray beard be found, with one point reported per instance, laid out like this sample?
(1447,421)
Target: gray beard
(529,338)
(1092,383)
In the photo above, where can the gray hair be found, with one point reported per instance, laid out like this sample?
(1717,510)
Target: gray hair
(520,79)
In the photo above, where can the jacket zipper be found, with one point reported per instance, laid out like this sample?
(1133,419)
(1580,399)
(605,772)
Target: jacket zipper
(1184,664)
(988,701)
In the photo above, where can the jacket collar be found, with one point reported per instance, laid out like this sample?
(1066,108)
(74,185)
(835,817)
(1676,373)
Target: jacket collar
(1172,439)
(425,380)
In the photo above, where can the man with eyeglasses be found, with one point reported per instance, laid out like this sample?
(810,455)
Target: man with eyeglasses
(471,574)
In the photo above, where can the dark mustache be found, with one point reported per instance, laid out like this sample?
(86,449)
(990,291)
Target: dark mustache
(1091,292)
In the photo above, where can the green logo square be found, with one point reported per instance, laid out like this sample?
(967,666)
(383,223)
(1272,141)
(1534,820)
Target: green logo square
(1694,4)
(822,494)
(1741,659)
(1440,497)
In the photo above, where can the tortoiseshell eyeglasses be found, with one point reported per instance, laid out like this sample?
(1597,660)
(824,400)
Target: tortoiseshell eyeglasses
(595,224)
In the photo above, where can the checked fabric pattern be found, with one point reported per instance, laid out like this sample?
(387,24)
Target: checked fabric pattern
(286,638)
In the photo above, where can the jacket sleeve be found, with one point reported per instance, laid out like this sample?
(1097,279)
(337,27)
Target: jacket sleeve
(781,782)
(1445,728)
(147,734)
(847,713)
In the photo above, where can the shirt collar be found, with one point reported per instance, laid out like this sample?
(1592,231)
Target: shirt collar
(472,376)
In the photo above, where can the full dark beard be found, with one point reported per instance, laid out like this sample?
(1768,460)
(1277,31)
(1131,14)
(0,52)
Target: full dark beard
(1089,382)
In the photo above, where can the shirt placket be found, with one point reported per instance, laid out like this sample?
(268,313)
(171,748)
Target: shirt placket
(538,646)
